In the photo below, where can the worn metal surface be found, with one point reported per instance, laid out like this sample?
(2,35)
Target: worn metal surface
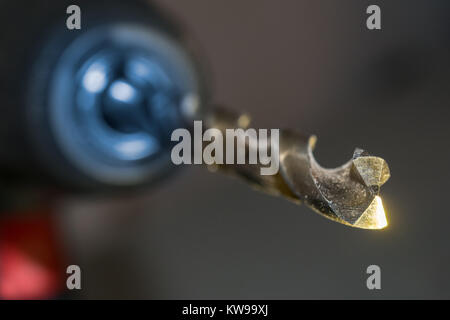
(347,194)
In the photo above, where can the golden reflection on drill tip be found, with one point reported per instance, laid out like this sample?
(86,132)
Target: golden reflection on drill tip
(374,217)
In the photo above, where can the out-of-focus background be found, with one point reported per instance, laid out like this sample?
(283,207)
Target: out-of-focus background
(315,67)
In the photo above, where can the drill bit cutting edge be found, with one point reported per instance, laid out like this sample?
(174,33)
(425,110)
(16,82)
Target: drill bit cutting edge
(347,194)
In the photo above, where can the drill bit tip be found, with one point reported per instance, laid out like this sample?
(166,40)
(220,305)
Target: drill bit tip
(372,171)
(348,194)
(374,217)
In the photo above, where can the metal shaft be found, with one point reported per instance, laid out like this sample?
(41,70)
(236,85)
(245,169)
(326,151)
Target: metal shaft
(347,194)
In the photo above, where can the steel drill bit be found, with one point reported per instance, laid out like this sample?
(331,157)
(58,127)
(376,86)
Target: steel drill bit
(347,194)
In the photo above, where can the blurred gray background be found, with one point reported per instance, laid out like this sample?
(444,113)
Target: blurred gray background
(310,65)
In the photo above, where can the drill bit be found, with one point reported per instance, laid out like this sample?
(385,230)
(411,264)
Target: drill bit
(347,194)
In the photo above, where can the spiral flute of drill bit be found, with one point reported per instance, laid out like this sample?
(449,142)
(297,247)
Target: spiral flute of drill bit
(347,194)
